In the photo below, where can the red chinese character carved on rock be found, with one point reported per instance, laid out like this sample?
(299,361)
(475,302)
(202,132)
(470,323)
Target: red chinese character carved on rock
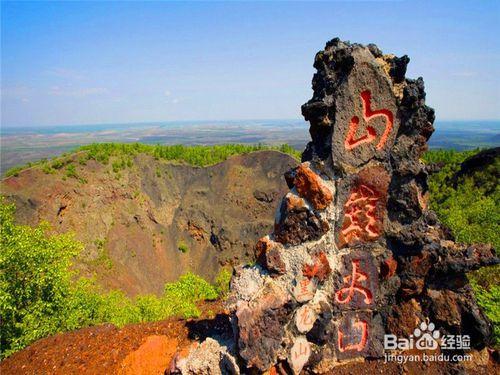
(306,317)
(360,219)
(360,345)
(368,114)
(301,350)
(354,281)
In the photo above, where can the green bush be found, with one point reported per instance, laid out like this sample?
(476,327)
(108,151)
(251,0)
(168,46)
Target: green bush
(193,155)
(71,171)
(182,247)
(489,300)
(472,209)
(121,155)
(15,171)
(181,296)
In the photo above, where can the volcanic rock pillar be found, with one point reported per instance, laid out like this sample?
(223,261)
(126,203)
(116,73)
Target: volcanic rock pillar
(355,254)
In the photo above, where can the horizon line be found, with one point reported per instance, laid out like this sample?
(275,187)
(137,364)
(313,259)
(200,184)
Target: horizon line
(158,122)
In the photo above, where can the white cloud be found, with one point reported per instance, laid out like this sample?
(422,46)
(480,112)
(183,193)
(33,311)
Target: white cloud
(167,93)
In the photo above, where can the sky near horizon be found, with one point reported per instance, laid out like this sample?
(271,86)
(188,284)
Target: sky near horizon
(117,62)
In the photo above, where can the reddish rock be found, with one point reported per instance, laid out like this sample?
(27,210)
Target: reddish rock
(261,327)
(411,286)
(152,357)
(263,245)
(310,186)
(388,268)
(320,269)
(365,207)
(404,318)
(297,223)
(369,127)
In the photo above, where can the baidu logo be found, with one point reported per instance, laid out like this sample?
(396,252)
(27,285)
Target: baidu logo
(426,337)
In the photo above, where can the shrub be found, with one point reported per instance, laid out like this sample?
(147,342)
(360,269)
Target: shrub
(489,300)
(222,281)
(121,155)
(193,155)
(71,171)
(35,280)
(182,247)
(472,212)
(14,171)
(180,297)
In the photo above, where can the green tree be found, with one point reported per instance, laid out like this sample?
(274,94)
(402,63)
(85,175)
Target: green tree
(34,279)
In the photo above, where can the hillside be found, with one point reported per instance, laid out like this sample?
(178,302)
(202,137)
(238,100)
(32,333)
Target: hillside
(145,220)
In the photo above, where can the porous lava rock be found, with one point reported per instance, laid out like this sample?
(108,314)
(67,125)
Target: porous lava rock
(355,254)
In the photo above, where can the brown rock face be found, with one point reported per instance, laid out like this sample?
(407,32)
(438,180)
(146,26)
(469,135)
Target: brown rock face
(363,256)
(131,227)
(261,326)
(269,256)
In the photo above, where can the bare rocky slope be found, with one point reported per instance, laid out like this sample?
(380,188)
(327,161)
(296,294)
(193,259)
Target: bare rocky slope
(132,225)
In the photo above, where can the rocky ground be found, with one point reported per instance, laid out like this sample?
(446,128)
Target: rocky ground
(150,349)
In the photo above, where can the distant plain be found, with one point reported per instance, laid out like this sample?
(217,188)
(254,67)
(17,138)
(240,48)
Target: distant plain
(20,145)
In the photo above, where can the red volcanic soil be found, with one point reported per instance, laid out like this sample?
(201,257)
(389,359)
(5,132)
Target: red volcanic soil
(145,348)
(148,349)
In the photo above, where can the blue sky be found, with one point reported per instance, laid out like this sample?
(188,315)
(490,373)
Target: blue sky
(77,62)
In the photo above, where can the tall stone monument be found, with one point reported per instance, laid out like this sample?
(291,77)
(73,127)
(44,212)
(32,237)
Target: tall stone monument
(355,253)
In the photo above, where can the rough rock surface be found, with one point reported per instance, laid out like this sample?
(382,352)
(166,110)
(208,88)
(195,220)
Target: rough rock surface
(209,358)
(355,254)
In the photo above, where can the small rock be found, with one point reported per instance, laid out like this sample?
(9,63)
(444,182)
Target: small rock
(297,223)
(268,254)
(304,290)
(320,268)
(300,353)
(305,318)
(388,268)
(209,358)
